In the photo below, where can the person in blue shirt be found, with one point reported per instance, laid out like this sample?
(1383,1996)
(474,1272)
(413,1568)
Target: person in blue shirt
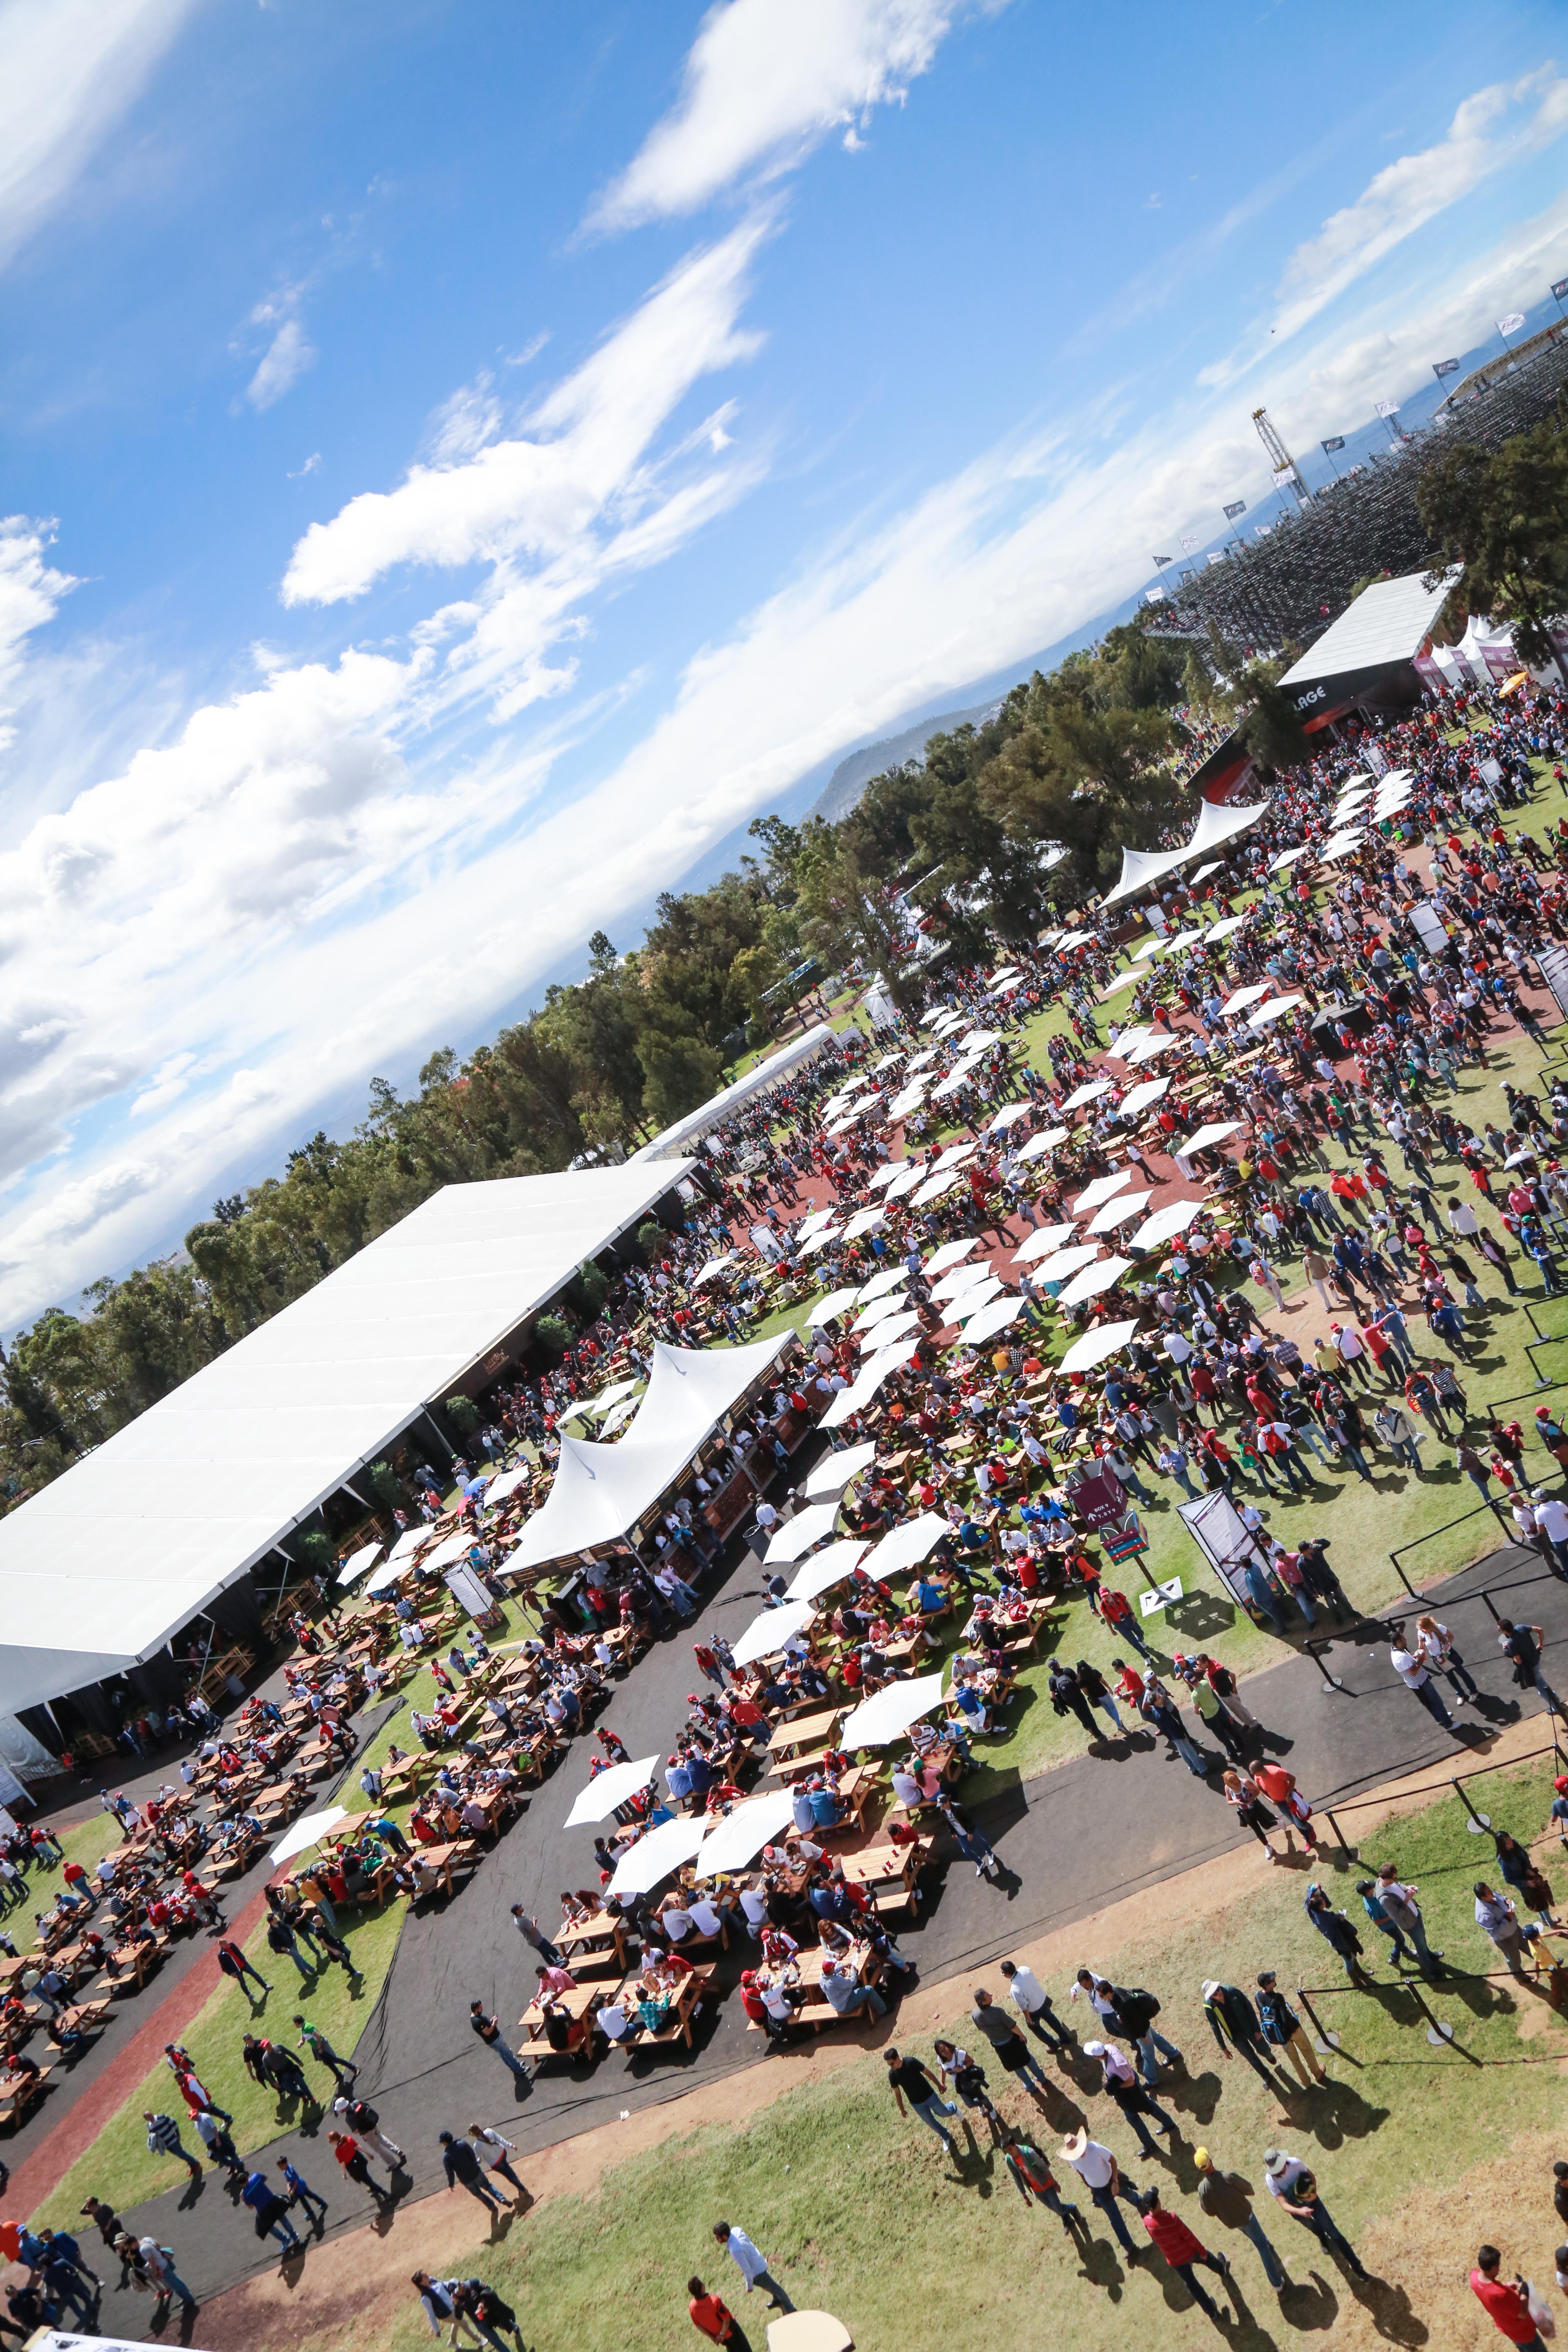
(302,2193)
(929,1599)
(271,2212)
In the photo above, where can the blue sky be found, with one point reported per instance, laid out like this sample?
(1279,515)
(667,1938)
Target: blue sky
(464,458)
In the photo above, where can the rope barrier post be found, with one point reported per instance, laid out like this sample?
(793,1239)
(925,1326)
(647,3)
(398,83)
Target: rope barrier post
(1478,1822)
(1324,2041)
(1439,2033)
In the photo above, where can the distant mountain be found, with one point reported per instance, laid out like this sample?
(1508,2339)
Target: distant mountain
(851,776)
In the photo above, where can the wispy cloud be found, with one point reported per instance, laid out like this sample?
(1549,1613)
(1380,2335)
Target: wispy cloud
(68,70)
(765,83)
(289,355)
(1495,126)
(30,593)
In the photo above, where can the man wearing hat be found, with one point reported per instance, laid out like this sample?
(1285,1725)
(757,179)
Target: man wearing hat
(1226,2198)
(1098,2169)
(1295,2188)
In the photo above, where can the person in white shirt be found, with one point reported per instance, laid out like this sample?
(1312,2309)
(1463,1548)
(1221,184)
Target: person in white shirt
(1552,1525)
(494,2150)
(751,2265)
(1029,1995)
(1097,2168)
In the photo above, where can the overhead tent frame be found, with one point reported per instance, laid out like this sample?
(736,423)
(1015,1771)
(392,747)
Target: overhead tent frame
(600,1493)
(101,1568)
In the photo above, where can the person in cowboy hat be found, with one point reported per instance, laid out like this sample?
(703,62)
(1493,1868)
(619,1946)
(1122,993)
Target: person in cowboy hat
(1096,2168)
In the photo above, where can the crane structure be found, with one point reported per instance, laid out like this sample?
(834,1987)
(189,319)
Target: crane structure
(1287,473)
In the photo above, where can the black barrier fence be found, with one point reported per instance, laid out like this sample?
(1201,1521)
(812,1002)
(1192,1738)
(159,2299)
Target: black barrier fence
(1449,1781)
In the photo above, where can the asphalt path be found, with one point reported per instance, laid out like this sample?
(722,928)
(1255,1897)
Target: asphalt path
(1119,1819)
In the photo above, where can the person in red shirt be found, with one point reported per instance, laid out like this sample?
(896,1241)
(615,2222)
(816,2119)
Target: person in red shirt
(1507,2305)
(1182,2251)
(713,2316)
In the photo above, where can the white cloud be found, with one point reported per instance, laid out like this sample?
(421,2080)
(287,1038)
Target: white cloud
(1495,126)
(765,81)
(537,494)
(285,361)
(313,465)
(304,883)
(68,70)
(30,593)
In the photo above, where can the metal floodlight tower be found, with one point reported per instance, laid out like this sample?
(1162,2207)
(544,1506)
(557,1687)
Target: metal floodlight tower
(1282,464)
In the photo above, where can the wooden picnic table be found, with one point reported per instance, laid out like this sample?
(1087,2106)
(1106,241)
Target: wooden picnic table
(787,1767)
(872,1865)
(593,1943)
(686,1999)
(18,2093)
(803,1730)
(576,2001)
(412,1769)
(135,1959)
(442,1857)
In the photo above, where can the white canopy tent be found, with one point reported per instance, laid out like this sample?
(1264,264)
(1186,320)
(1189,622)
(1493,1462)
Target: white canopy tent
(697,1123)
(1216,823)
(600,1492)
(103,1566)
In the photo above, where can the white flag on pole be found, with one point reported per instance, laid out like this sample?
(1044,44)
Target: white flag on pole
(1511,324)
(1386,407)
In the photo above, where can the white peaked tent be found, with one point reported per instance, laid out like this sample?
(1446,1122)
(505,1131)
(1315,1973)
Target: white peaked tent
(1215,823)
(600,1492)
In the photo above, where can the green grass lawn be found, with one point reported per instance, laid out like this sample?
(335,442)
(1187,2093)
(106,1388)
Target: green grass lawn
(862,2215)
(118,2165)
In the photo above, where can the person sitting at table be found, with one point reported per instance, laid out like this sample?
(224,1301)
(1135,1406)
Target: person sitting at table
(842,1993)
(653,2008)
(967,1698)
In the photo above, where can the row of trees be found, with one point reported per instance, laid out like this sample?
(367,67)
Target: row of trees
(1084,760)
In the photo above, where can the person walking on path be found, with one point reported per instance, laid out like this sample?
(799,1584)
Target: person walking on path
(233,1962)
(1411,1667)
(151,2268)
(361,2118)
(348,2152)
(215,2137)
(1283,2029)
(271,2212)
(1297,2189)
(911,2079)
(1400,1905)
(1337,1933)
(1184,2250)
(713,2317)
(281,1938)
(1096,2168)
(1522,1644)
(494,2150)
(1226,2198)
(488,2028)
(1440,1654)
(532,1933)
(302,2193)
(973,1844)
(1506,2302)
(752,2265)
(461,2166)
(164,2139)
(1122,2084)
(1232,2018)
(1013,2052)
(1036,2182)
(1030,1997)
(312,2038)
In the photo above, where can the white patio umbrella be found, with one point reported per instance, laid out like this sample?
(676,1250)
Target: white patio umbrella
(1223,930)
(836,1471)
(1205,871)
(1057,1267)
(1129,979)
(607,1397)
(609,1789)
(827,1567)
(841,1125)
(1289,856)
(978,1039)
(743,1832)
(970,1300)
(654,1855)
(890,1712)
(865,1221)
(508,1482)
(820,1239)
(1096,1345)
(935,1186)
(919,1061)
(1172,1219)
(1044,1242)
(988,1322)
(357,1562)
(715,1266)
(886,1174)
(1245,996)
(813,1223)
(890,1329)
(1140,1098)
(953,1157)
(948,1254)
(1101,1189)
(1201,1138)
(1339,844)
(1006,987)
(909,1176)
(889,1062)
(905,1545)
(1186,939)
(911,1100)
(837,1302)
(1271,1011)
(1093,1280)
(1039,1145)
(961,1278)
(795,1538)
(1091,1091)
(1117,1212)
(957,1076)
(306,1831)
(880,1284)
(1152,1047)
(767,1634)
(616,1415)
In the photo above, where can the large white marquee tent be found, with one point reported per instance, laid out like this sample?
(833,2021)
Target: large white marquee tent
(1215,823)
(103,1567)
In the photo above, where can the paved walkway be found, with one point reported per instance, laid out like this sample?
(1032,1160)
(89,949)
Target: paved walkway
(1128,1819)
